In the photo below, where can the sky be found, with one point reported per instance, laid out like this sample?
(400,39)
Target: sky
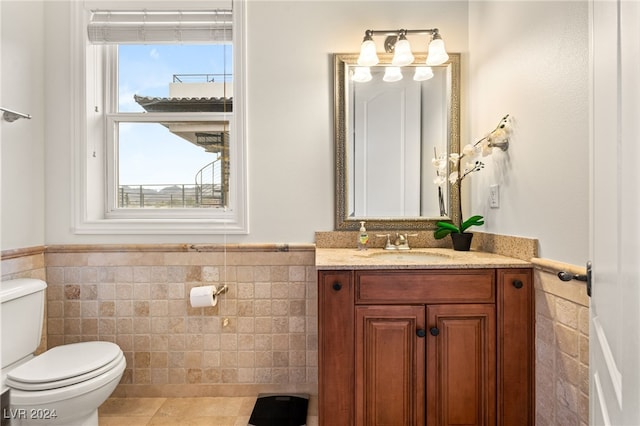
(149,153)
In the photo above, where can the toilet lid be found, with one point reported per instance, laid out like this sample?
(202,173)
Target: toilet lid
(65,365)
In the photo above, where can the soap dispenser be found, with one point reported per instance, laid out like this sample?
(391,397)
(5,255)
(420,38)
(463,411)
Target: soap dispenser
(363,237)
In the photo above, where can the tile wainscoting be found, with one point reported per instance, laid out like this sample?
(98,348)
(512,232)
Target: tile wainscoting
(260,337)
(562,346)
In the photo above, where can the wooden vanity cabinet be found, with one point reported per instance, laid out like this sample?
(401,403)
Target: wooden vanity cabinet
(336,347)
(434,347)
(390,365)
(461,365)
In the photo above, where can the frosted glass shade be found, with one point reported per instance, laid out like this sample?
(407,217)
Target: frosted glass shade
(437,54)
(361,74)
(402,53)
(368,56)
(392,74)
(423,73)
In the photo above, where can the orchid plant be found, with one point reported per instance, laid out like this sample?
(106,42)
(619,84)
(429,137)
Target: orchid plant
(498,138)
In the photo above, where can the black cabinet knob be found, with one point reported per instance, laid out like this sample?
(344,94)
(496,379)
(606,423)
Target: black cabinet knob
(421,333)
(434,331)
(517,284)
(337,286)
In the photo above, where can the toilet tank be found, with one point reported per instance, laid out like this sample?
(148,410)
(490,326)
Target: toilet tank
(21,316)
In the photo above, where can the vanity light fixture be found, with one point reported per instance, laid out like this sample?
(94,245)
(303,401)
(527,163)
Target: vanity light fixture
(437,53)
(396,42)
(402,51)
(368,56)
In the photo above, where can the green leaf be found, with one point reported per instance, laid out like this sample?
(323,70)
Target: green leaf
(441,233)
(448,225)
(476,220)
(443,229)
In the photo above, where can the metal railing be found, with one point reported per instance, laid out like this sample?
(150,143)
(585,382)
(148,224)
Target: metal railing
(158,196)
(207,191)
(208,183)
(202,78)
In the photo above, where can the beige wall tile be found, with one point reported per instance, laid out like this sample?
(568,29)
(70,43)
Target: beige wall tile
(562,354)
(139,299)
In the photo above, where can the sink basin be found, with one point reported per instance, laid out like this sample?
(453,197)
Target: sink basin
(409,256)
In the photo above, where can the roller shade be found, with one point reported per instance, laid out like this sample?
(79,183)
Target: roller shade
(142,27)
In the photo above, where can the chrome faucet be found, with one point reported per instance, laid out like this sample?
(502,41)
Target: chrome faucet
(401,241)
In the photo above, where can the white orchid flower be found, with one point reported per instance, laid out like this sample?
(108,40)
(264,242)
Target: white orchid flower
(439,180)
(439,163)
(506,125)
(498,135)
(468,150)
(453,177)
(486,148)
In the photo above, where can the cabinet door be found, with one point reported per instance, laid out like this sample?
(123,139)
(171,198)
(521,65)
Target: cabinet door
(515,353)
(461,365)
(336,348)
(390,363)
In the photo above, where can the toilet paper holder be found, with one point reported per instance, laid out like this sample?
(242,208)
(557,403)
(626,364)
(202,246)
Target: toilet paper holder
(206,296)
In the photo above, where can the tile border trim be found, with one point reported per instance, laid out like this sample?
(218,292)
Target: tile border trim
(178,248)
(21,252)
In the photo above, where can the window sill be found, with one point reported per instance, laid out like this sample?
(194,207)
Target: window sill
(161,227)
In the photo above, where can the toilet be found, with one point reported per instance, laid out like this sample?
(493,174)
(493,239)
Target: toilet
(62,386)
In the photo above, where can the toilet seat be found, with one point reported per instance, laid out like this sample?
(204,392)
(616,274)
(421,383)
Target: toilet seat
(65,365)
(52,397)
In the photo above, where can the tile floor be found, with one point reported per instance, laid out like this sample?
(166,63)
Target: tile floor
(210,411)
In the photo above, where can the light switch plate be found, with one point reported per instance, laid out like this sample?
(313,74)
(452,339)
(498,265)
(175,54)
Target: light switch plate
(494,196)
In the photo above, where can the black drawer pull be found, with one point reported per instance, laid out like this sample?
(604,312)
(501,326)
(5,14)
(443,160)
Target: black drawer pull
(421,333)
(517,284)
(337,286)
(434,331)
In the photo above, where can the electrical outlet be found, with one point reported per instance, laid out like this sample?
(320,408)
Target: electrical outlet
(494,196)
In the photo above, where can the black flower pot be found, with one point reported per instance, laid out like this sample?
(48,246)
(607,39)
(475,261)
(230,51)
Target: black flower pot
(461,241)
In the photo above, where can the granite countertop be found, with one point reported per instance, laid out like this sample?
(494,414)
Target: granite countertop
(417,258)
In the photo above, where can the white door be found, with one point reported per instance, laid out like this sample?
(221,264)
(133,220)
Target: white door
(615,214)
(387,148)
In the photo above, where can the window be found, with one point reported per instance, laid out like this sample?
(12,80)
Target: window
(164,150)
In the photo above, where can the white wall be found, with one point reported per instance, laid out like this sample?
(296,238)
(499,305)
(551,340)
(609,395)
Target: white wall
(530,59)
(290,110)
(22,141)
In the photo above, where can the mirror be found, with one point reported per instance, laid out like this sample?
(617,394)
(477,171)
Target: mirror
(386,134)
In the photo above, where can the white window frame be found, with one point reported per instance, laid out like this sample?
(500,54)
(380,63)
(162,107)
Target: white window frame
(92,188)
(113,120)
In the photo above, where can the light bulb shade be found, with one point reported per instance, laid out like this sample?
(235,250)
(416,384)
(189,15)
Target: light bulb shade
(392,74)
(368,56)
(361,74)
(423,73)
(402,53)
(437,54)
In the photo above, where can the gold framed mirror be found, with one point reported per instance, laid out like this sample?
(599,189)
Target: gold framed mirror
(387,130)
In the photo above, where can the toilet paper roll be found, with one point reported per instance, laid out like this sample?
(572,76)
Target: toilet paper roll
(203,296)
